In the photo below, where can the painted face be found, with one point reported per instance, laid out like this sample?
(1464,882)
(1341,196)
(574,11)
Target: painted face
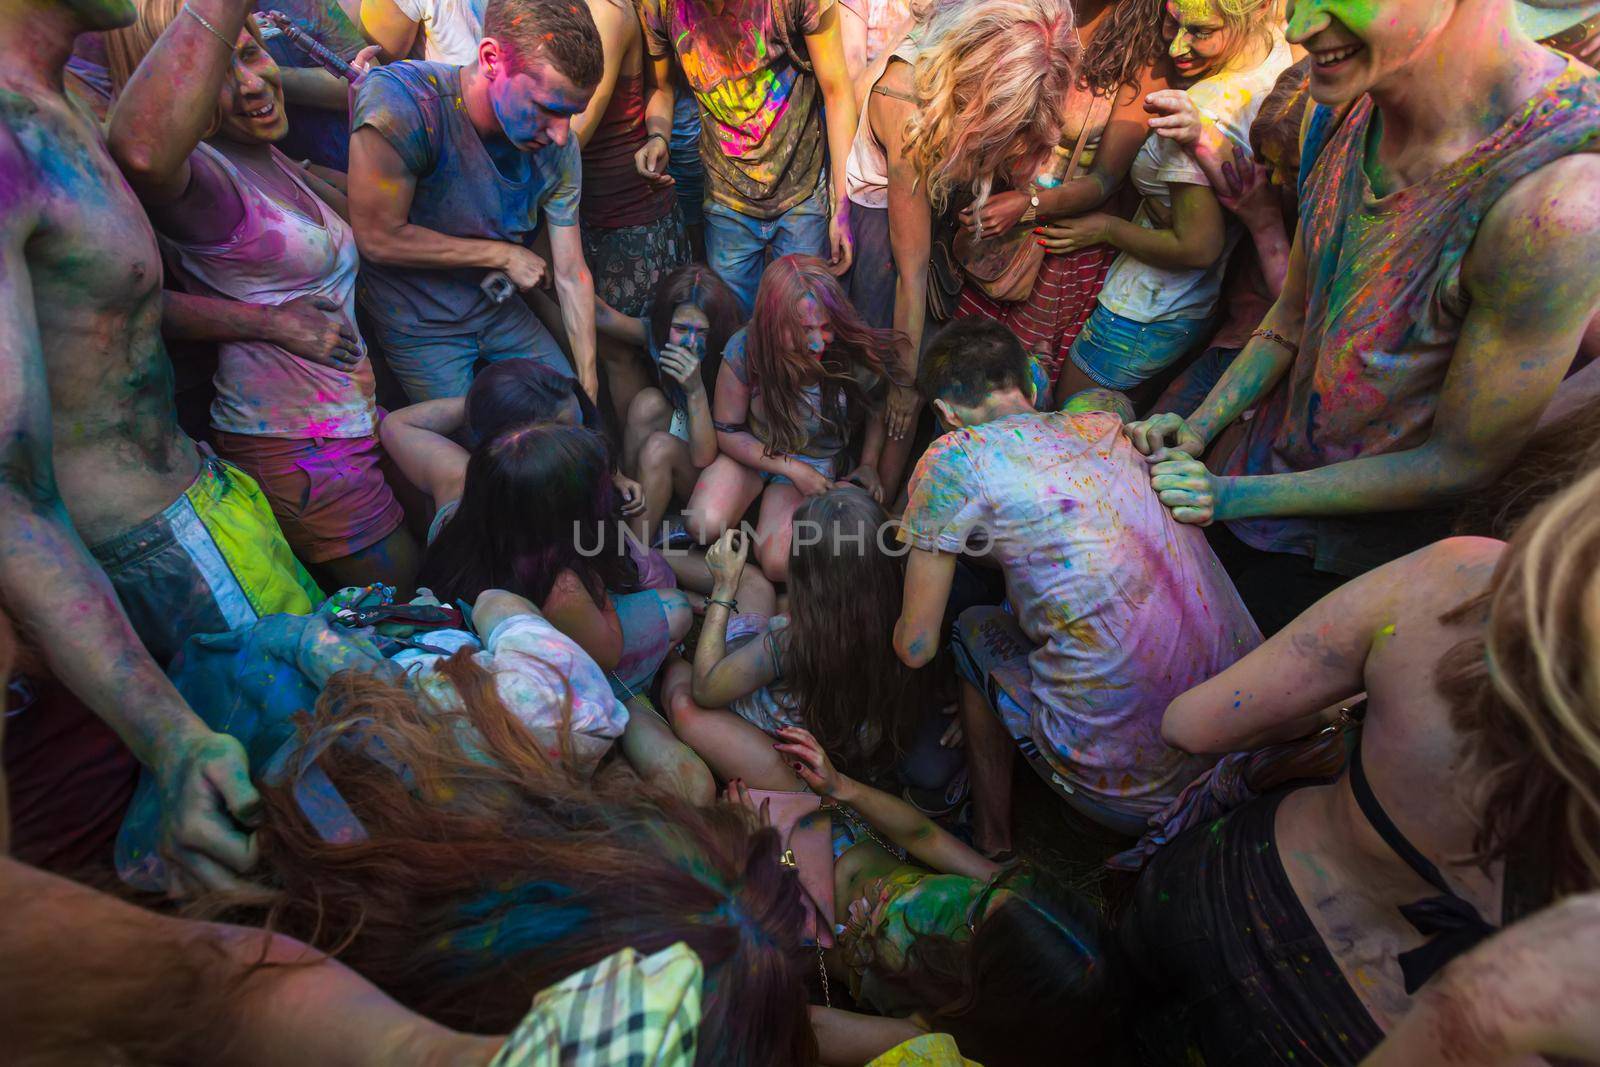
(102,14)
(251,98)
(816,329)
(1356,45)
(533,102)
(1197,38)
(689,329)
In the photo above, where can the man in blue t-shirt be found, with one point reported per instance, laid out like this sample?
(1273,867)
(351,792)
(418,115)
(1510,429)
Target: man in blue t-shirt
(450,169)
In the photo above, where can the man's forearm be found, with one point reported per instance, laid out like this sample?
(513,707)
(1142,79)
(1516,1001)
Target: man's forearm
(658,112)
(1256,369)
(410,245)
(576,289)
(187,317)
(314,87)
(64,600)
(1399,481)
(841,122)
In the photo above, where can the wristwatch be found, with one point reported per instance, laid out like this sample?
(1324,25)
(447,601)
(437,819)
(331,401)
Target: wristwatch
(1033,204)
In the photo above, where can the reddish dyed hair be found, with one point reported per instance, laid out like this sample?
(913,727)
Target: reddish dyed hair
(779,362)
(490,872)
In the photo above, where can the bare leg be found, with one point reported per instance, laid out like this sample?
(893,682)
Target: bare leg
(720,498)
(755,593)
(625,373)
(392,561)
(775,530)
(990,753)
(732,747)
(649,412)
(662,760)
(663,466)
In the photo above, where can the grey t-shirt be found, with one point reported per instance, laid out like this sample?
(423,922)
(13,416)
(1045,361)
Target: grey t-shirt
(464,189)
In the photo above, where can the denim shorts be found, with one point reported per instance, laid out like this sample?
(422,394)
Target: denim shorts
(433,367)
(1121,353)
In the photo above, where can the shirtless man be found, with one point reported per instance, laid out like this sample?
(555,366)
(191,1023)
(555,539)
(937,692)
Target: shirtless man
(91,453)
(1438,288)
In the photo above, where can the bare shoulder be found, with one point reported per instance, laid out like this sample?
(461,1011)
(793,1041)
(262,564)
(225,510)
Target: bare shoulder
(1446,573)
(1544,224)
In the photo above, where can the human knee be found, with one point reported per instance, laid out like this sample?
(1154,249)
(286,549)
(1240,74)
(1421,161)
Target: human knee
(658,452)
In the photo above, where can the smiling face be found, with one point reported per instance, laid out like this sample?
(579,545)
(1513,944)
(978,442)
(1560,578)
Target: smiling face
(1356,45)
(250,100)
(533,102)
(816,328)
(1197,38)
(689,329)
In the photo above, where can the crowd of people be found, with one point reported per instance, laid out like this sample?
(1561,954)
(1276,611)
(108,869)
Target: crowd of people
(533,532)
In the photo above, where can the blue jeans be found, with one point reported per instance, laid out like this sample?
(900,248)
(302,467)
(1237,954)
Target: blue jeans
(683,158)
(1121,353)
(433,367)
(739,247)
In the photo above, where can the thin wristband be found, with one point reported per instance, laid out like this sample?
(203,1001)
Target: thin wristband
(731,605)
(209,28)
(1278,339)
(659,134)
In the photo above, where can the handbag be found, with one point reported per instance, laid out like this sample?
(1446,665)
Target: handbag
(1005,266)
(945,278)
(806,832)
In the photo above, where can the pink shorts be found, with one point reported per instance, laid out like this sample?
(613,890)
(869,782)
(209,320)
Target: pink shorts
(327,493)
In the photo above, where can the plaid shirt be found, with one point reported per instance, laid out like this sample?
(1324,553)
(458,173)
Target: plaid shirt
(625,1011)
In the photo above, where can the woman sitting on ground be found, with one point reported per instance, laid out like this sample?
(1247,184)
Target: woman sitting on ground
(794,388)
(241,220)
(934,933)
(1303,923)
(669,437)
(828,664)
(538,516)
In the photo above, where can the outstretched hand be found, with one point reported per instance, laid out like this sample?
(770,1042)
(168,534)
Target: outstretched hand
(209,809)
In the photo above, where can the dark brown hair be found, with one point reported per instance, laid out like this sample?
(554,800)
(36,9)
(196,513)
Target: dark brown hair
(1124,48)
(488,872)
(561,30)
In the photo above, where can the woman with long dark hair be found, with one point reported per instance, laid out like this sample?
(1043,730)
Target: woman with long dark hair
(538,516)
(828,664)
(795,387)
(669,436)
(1307,920)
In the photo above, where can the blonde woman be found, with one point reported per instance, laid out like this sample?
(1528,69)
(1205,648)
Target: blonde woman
(972,100)
(1306,920)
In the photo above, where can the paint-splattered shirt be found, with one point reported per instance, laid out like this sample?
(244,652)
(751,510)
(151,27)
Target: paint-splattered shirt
(274,254)
(1384,309)
(761,135)
(1127,607)
(464,188)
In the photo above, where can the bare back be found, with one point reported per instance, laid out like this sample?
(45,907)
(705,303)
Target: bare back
(95,277)
(1349,880)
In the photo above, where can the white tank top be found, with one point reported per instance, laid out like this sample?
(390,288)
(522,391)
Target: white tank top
(867,169)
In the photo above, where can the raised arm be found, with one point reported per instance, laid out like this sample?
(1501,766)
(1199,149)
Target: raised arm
(907,827)
(53,588)
(1533,290)
(417,438)
(168,105)
(719,678)
(826,49)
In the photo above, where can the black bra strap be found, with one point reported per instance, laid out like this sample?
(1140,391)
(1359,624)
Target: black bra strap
(1386,828)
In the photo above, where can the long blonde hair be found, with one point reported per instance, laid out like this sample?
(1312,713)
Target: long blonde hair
(992,80)
(1526,693)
